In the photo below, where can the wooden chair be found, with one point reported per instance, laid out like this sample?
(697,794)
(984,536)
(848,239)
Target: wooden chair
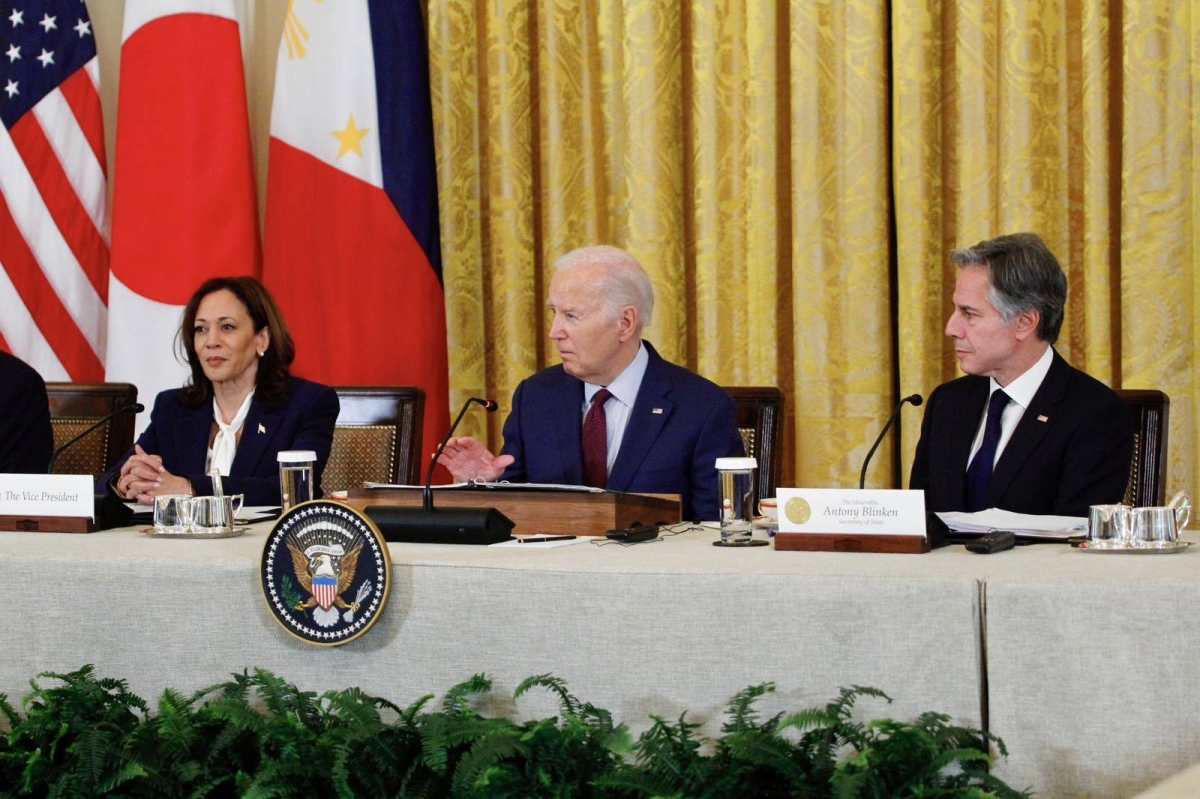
(76,406)
(760,421)
(377,437)
(1148,472)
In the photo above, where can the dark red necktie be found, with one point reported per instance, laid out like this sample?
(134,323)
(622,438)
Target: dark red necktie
(595,442)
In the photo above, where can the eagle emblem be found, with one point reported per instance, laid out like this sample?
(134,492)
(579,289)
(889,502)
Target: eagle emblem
(326,572)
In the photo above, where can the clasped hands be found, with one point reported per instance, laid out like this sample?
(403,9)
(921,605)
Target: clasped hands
(143,477)
(468,459)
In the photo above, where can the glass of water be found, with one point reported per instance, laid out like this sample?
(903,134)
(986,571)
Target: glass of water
(738,502)
(296,477)
(172,514)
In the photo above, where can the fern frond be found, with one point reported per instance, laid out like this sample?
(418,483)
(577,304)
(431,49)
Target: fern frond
(456,697)
(484,754)
(741,708)
(566,701)
(766,751)
(842,706)
(813,718)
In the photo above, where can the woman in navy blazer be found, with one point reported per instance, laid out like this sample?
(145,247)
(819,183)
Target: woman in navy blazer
(238,411)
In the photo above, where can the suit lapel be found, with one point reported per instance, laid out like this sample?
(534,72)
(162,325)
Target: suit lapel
(567,408)
(191,438)
(1035,423)
(650,413)
(258,432)
(962,436)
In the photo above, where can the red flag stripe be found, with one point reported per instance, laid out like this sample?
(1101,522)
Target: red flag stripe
(73,221)
(70,144)
(35,291)
(21,333)
(82,96)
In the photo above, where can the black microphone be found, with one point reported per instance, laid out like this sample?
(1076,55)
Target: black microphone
(136,407)
(489,406)
(916,401)
(428,525)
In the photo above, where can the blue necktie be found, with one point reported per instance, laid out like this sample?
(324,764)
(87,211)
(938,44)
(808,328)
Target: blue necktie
(980,470)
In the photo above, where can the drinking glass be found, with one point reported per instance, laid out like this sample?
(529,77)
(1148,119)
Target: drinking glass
(296,477)
(736,478)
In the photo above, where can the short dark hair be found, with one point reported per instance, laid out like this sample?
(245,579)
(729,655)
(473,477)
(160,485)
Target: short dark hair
(1025,276)
(271,380)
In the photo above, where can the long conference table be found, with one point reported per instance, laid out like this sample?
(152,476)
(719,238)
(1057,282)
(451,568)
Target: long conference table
(1084,664)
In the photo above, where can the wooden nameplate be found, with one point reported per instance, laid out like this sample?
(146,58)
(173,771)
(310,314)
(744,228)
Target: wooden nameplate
(46,524)
(842,542)
(552,512)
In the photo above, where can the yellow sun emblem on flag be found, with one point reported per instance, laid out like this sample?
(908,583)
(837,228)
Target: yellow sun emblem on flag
(295,35)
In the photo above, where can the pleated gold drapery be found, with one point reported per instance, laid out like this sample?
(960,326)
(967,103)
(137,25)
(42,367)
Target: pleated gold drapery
(793,175)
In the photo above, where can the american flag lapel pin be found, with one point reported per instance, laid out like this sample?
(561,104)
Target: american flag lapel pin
(656,410)
(1043,418)
(262,430)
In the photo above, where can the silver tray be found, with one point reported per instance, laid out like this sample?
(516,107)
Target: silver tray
(232,532)
(1170,549)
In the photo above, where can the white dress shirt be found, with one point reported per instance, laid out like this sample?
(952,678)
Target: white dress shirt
(624,390)
(1020,393)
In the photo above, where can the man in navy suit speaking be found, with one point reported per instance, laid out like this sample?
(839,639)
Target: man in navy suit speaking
(614,415)
(1024,431)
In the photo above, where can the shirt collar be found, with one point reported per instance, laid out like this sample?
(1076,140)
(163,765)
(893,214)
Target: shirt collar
(1022,389)
(625,386)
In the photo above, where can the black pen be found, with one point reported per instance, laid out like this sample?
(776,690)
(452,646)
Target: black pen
(540,539)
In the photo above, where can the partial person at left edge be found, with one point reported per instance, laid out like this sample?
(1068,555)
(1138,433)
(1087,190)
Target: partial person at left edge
(26,439)
(238,411)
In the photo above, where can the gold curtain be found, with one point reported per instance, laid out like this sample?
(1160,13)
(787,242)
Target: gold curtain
(793,174)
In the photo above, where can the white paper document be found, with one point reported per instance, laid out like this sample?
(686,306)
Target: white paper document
(1025,524)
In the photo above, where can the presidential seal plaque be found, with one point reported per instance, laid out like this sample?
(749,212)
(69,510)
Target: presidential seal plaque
(326,574)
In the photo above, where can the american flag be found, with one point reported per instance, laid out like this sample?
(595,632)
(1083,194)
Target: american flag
(53,216)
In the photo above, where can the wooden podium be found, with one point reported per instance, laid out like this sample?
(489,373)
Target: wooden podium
(536,511)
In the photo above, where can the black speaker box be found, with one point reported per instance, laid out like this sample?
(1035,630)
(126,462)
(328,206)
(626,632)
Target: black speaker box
(441,525)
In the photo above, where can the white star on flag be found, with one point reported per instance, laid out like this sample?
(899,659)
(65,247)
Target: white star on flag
(48,23)
(17,18)
(11,88)
(84,28)
(47,58)
(13,53)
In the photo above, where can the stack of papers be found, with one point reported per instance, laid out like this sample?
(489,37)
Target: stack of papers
(1022,524)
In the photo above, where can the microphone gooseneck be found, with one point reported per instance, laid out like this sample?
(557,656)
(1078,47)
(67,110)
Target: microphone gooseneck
(136,407)
(488,405)
(916,401)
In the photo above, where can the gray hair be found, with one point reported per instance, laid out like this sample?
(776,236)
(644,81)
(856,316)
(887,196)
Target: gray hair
(1024,276)
(625,281)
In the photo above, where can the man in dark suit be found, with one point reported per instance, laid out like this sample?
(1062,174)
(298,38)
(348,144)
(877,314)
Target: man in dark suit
(26,439)
(1023,431)
(657,428)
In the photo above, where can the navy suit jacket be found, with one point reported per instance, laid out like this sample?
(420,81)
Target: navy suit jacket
(1071,449)
(26,439)
(680,424)
(180,436)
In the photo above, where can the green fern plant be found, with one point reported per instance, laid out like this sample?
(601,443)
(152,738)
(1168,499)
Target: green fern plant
(257,735)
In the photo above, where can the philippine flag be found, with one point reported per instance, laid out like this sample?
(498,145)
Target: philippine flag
(352,251)
(184,204)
